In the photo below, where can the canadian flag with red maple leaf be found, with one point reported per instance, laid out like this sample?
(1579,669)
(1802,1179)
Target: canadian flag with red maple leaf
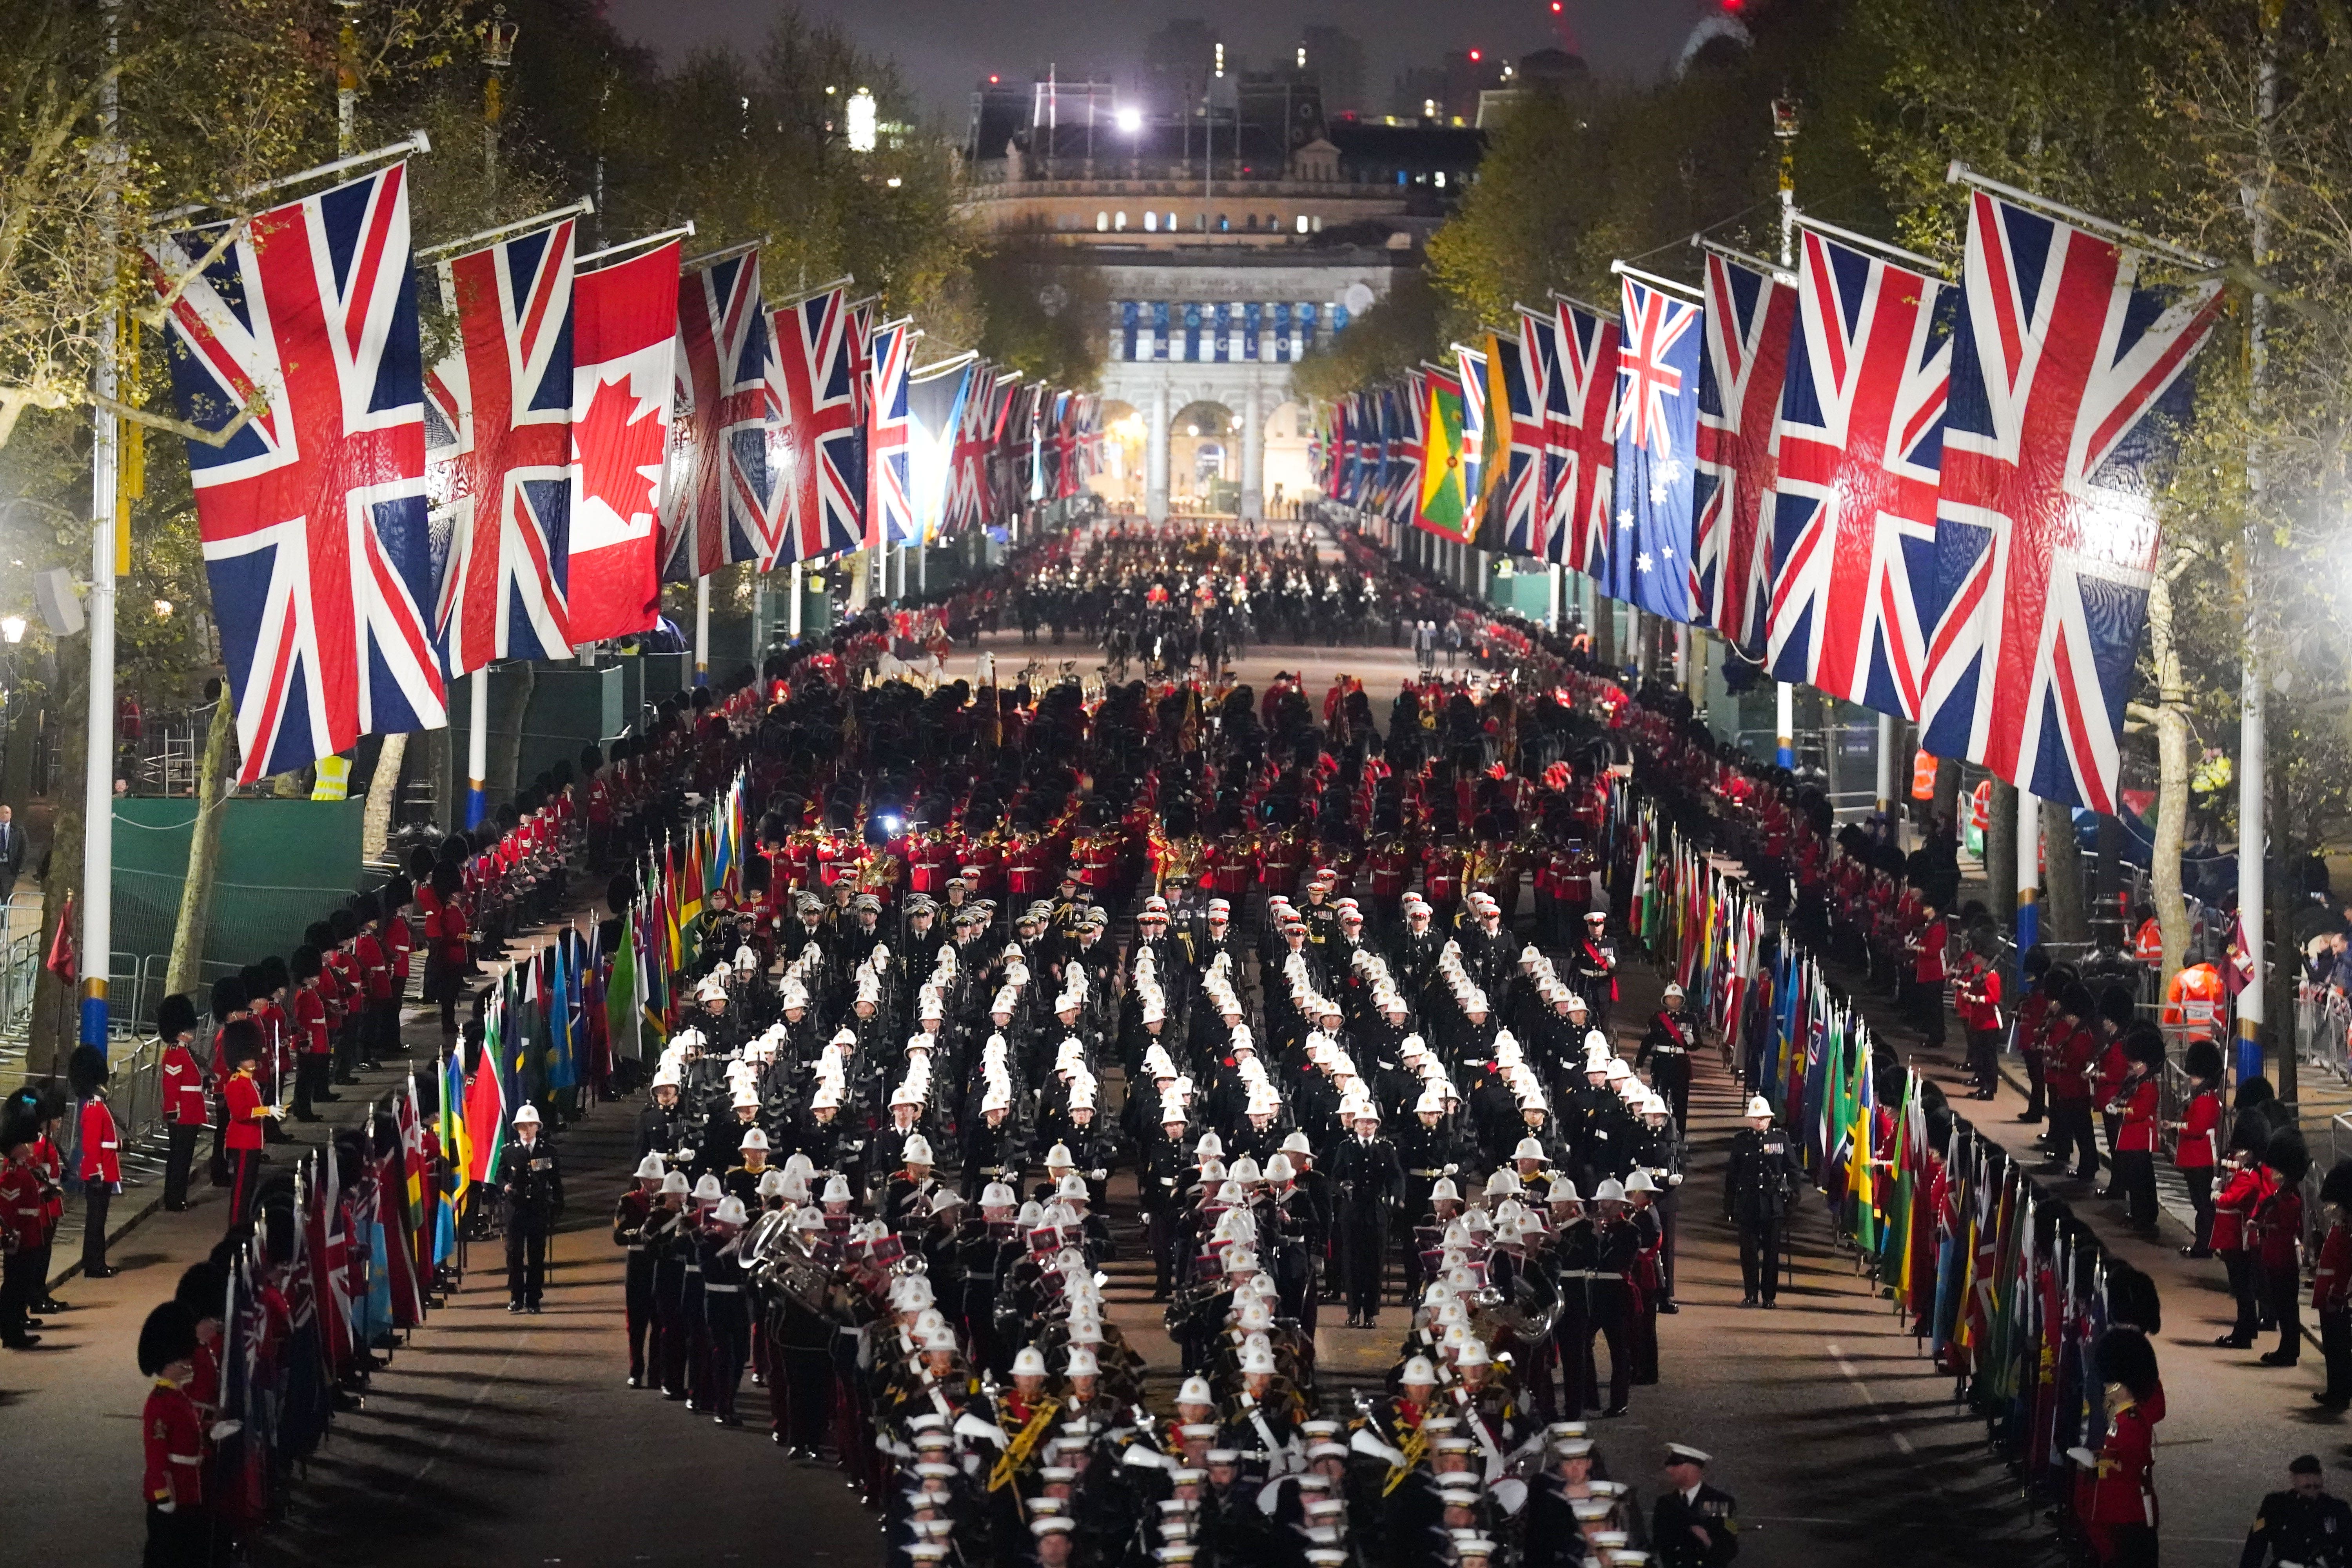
(624,332)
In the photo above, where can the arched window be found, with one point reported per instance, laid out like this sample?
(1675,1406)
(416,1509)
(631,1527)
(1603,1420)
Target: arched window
(1225,223)
(1102,223)
(1118,222)
(1150,223)
(1252,223)
(1171,222)
(1302,222)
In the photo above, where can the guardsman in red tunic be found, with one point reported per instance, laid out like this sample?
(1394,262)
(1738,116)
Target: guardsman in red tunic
(2115,1490)
(23,1223)
(185,1107)
(99,1162)
(172,1436)
(241,1047)
(314,1044)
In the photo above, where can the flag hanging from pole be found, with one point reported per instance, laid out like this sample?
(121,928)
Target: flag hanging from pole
(623,352)
(720,506)
(819,459)
(1748,316)
(1650,552)
(1580,439)
(313,514)
(2045,522)
(1445,505)
(1861,435)
(498,451)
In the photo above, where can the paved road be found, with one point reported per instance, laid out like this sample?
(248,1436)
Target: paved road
(494,1439)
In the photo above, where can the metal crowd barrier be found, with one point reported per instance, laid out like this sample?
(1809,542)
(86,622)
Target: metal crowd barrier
(2323,1028)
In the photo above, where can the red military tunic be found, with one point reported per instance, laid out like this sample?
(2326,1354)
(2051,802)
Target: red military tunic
(184,1087)
(101,1144)
(172,1433)
(245,1111)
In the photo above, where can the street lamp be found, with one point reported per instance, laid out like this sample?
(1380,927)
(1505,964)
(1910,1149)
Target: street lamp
(862,125)
(1129,122)
(12,627)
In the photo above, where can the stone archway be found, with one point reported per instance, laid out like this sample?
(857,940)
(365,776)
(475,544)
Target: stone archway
(1205,457)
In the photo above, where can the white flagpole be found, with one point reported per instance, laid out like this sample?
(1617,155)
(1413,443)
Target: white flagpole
(98,784)
(477,747)
(702,631)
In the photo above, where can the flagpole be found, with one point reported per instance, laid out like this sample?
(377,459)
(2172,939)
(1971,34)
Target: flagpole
(98,780)
(477,747)
(702,631)
(1784,128)
(2029,872)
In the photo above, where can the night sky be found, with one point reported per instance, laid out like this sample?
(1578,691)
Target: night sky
(944,46)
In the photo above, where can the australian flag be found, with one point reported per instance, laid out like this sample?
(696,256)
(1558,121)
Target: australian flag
(1650,560)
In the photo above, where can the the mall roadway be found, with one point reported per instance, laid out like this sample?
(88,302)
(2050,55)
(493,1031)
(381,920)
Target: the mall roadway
(502,1440)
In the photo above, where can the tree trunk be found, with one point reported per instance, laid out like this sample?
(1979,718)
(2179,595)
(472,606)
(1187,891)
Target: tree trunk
(57,1005)
(2171,779)
(509,707)
(2000,853)
(382,798)
(437,766)
(1944,806)
(186,971)
(2065,917)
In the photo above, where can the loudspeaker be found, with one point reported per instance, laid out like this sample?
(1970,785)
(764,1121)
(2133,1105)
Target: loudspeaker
(60,606)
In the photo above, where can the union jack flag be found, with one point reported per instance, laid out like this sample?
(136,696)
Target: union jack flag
(1749,314)
(314,515)
(498,452)
(1649,562)
(1410,448)
(1519,422)
(2045,538)
(889,502)
(721,508)
(1471,365)
(1581,421)
(967,491)
(1853,516)
(821,480)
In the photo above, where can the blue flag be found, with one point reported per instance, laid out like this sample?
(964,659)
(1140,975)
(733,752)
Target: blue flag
(1651,560)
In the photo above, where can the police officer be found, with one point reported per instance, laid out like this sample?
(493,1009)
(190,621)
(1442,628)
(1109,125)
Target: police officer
(2304,1524)
(532,1183)
(1756,1187)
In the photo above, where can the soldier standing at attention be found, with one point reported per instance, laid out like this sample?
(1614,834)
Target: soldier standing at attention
(533,1184)
(1755,1187)
(1693,1525)
(1369,1178)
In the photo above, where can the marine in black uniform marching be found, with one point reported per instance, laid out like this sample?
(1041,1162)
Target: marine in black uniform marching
(1370,1180)
(532,1182)
(1756,1182)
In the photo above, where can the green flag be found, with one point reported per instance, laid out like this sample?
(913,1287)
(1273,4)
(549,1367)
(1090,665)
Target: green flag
(621,1000)
(1445,504)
